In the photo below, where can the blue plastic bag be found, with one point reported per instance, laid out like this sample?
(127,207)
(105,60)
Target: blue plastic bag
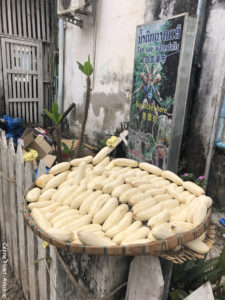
(36,171)
(14,127)
(13,123)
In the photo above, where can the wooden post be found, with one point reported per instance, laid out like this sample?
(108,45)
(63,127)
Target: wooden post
(97,275)
(14,211)
(203,292)
(145,279)
(53,273)
(6,200)
(43,276)
(21,225)
(167,267)
(31,241)
(2,216)
(2,100)
(41,168)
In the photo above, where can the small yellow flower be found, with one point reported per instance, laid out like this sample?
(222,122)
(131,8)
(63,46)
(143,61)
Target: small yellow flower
(31,155)
(112,142)
(45,244)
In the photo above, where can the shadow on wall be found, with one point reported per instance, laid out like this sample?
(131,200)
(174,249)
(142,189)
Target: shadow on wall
(110,106)
(217,178)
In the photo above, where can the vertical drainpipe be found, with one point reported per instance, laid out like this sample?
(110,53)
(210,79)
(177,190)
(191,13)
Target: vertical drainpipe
(55,28)
(220,129)
(61,64)
(201,13)
(201,16)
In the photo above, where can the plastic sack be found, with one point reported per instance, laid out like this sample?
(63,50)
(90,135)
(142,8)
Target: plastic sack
(14,127)
(13,123)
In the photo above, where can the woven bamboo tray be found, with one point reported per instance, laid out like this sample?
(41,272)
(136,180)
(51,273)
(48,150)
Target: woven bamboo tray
(158,247)
(186,254)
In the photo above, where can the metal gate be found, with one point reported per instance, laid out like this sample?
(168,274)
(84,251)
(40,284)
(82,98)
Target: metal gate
(22,76)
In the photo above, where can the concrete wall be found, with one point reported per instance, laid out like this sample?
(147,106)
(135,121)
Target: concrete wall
(199,153)
(209,92)
(111,40)
(110,43)
(216,180)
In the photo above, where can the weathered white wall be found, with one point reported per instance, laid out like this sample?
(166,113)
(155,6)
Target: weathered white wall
(212,71)
(210,91)
(110,41)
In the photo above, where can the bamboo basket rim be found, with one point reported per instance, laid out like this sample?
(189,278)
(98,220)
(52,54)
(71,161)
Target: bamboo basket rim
(185,254)
(156,248)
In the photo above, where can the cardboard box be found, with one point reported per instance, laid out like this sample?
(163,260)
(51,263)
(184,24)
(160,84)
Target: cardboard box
(49,160)
(27,137)
(40,145)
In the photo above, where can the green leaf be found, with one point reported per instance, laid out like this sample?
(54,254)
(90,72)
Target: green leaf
(72,146)
(178,294)
(81,67)
(211,276)
(48,259)
(54,115)
(65,148)
(86,68)
(102,142)
(209,264)
(68,150)
(182,293)
(50,115)
(219,287)
(222,261)
(180,271)
(58,118)
(55,108)
(55,111)
(36,262)
(214,276)
(174,295)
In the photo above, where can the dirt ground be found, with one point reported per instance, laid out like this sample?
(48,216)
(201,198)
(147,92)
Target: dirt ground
(220,233)
(14,291)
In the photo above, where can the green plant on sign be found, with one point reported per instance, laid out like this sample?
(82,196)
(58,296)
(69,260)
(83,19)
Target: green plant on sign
(87,69)
(192,274)
(56,117)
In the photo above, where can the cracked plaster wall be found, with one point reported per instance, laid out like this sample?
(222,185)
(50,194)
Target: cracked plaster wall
(111,41)
(210,91)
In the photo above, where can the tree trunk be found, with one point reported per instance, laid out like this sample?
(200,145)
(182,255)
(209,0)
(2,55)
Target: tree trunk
(58,142)
(87,102)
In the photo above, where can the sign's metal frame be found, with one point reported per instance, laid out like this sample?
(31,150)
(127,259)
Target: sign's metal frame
(181,92)
(182,87)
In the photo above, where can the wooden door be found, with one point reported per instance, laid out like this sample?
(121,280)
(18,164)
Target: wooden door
(22,79)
